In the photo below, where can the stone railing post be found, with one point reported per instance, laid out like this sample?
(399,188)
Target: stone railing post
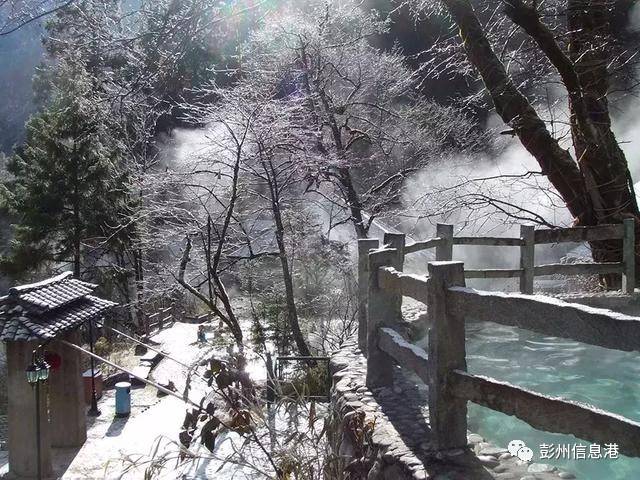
(629,256)
(381,312)
(448,414)
(527,255)
(444,251)
(397,242)
(364,245)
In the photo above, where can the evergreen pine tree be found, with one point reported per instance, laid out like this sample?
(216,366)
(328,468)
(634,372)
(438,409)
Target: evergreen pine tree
(66,187)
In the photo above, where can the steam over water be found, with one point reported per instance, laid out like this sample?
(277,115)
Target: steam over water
(607,379)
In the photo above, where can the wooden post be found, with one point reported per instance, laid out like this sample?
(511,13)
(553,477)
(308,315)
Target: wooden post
(629,255)
(448,414)
(381,312)
(444,251)
(527,256)
(364,245)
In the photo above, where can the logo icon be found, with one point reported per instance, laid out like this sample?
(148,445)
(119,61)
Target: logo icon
(525,454)
(517,448)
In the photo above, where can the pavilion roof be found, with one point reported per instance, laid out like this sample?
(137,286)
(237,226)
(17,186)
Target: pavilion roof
(43,310)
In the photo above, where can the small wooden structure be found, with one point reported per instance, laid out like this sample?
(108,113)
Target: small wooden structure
(30,316)
(443,365)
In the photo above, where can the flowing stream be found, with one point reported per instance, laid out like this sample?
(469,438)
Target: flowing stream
(607,379)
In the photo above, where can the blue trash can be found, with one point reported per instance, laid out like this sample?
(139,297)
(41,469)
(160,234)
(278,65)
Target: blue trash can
(123,399)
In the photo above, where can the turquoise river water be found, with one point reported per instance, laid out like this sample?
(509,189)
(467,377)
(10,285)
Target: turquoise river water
(607,379)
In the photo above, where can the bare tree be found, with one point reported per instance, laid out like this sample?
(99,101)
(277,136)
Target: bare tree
(141,59)
(596,186)
(369,129)
(14,14)
(277,170)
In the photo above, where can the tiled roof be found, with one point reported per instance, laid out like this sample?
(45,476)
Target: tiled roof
(45,309)
(52,293)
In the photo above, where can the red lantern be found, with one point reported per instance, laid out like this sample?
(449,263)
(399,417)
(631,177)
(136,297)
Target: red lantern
(53,359)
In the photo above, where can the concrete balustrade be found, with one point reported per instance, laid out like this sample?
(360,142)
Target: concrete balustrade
(530,236)
(449,303)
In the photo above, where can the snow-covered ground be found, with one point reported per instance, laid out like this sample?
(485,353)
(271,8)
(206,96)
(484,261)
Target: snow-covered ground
(123,448)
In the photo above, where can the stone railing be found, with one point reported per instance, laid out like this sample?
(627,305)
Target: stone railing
(443,366)
(529,238)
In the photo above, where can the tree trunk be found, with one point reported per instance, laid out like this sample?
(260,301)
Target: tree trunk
(597,189)
(353,201)
(292,311)
(602,162)
(516,111)
(230,319)
(77,227)
(344,177)
(142,320)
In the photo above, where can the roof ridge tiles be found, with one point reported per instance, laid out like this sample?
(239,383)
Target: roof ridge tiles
(43,283)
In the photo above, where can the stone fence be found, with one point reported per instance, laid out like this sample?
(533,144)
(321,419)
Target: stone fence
(529,238)
(443,367)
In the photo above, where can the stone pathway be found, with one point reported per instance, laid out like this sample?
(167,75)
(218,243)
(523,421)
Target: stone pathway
(117,444)
(401,433)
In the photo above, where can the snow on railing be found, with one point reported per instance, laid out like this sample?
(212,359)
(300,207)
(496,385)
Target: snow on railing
(529,238)
(443,367)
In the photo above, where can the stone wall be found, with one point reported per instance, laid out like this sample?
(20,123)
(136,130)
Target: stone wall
(385,435)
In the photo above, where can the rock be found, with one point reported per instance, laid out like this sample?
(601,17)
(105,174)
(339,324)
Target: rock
(504,456)
(540,468)
(506,476)
(491,450)
(140,350)
(397,390)
(151,358)
(482,445)
(392,473)
(425,446)
(528,477)
(420,474)
(566,475)
(381,437)
(169,386)
(488,460)
(500,468)
(389,457)
(342,388)
(410,459)
(474,438)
